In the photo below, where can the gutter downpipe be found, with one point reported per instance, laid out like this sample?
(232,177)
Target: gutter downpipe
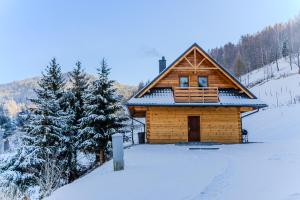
(256,111)
(132,119)
(138,122)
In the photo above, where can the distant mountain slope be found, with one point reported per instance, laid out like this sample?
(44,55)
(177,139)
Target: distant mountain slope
(19,91)
(16,94)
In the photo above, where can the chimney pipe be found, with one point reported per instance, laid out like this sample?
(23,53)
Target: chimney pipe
(162,64)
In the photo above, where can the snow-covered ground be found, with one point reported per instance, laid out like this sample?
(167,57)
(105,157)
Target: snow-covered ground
(266,169)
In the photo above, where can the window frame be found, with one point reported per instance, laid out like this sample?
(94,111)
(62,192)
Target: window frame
(188,81)
(202,77)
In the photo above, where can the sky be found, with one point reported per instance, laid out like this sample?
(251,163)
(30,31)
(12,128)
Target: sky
(131,35)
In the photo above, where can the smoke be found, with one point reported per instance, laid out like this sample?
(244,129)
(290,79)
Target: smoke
(150,52)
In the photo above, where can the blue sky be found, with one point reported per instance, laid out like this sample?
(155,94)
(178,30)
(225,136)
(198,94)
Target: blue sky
(131,35)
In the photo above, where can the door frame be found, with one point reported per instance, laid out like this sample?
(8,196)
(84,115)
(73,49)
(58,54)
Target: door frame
(193,115)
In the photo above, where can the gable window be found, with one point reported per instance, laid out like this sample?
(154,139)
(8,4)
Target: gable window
(202,81)
(184,81)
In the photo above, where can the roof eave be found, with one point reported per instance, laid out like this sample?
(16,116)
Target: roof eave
(198,105)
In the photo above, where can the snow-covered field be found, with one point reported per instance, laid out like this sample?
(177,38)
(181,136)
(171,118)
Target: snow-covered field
(266,169)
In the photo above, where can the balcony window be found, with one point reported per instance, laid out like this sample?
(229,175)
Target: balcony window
(184,81)
(202,81)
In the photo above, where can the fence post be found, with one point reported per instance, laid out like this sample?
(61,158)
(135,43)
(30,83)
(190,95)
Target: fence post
(118,151)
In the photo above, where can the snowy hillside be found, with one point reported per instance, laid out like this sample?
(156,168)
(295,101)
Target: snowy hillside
(268,168)
(277,88)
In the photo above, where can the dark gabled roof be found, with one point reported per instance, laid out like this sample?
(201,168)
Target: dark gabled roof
(206,54)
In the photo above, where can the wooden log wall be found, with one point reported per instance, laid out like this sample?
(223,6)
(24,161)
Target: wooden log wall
(170,124)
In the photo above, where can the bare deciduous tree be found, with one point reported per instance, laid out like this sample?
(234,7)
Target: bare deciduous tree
(50,177)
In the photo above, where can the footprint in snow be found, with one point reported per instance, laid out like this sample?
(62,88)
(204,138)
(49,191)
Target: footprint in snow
(215,188)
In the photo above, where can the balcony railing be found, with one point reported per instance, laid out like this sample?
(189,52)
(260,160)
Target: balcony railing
(196,94)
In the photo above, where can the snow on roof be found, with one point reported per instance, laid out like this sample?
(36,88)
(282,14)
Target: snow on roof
(164,97)
(157,96)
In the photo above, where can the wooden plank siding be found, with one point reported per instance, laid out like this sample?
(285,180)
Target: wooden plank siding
(184,68)
(170,124)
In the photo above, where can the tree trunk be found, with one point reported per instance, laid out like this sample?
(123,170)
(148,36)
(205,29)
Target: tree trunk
(298,61)
(97,158)
(277,65)
(25,198)
(276,59)
(291,64)
(100,157)
(73,168)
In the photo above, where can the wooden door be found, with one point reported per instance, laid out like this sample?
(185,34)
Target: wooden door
(194,128)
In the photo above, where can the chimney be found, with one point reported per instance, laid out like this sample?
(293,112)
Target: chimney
(162,64)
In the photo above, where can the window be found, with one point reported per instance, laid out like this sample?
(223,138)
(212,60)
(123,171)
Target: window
(202,81)
(184,81)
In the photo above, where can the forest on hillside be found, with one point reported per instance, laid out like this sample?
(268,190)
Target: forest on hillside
(264,47)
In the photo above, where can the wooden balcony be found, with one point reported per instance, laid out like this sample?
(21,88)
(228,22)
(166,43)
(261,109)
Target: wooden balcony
(196,94)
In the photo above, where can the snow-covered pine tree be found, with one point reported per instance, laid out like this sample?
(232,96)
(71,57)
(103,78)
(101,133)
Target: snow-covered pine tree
(101,116)
(79,81)
(3,116)
(48,125)
(22,118)
(17,176)
(45,137)
(6,124)
(79,84)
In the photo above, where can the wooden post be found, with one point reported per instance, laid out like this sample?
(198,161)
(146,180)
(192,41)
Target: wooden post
(118,151)
(202,95)
(132,129)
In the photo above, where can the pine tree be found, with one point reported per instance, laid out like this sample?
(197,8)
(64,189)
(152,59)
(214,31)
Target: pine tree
(48,121)
(17,175)
(79,84)
(141,85)
(6,124)
(45,139)
(3,117)
(285,50)
(22,118)
(79,81)
(101,117)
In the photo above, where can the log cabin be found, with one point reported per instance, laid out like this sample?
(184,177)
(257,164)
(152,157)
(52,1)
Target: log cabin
(194,99)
